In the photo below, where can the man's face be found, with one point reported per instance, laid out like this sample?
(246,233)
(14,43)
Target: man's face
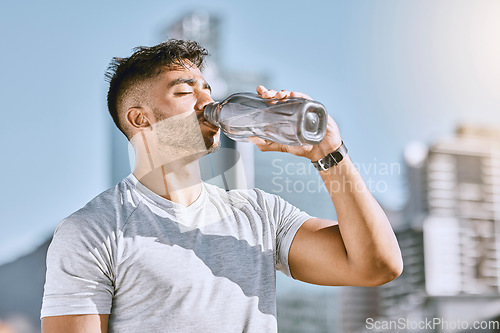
(178,98)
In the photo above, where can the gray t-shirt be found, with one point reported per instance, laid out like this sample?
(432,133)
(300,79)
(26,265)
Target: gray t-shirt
(157,266)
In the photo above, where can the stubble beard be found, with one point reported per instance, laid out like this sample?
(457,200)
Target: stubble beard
(181,137)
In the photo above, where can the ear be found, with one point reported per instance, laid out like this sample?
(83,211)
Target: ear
(137,118)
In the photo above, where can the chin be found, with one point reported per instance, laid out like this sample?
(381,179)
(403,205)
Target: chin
(213,143)
(214,148)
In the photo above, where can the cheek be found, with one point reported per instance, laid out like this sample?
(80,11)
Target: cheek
(169,109)
(184,103)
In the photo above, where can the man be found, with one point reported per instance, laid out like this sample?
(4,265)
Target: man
(165,252)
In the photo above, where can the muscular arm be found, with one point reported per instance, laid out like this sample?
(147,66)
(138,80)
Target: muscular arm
(75,324)
(360,250)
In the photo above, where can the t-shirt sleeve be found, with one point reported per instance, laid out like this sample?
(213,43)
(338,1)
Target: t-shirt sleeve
(79,277)
(288,220)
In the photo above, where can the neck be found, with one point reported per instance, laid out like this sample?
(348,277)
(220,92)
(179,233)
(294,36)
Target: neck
(180,183)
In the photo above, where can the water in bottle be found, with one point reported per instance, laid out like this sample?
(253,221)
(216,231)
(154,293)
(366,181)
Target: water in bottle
(290,121)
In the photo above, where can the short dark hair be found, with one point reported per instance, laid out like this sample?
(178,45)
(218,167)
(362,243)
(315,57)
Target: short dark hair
(147,63)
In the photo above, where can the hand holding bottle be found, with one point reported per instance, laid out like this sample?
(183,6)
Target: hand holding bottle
(330,142)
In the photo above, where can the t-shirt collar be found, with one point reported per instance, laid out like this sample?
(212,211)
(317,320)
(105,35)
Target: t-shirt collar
(161,201)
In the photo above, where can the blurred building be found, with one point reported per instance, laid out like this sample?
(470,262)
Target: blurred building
(462,230)
(450,239)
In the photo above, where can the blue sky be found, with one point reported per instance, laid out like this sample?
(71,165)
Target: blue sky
(389,72)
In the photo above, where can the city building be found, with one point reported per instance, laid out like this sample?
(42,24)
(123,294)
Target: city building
(449,238)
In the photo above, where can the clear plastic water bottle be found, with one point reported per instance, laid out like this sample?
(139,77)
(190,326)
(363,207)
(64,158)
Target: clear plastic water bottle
(292,121)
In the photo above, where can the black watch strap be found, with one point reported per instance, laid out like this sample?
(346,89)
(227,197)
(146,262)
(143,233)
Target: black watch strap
(331,159)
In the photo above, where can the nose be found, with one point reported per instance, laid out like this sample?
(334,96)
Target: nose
(204,98)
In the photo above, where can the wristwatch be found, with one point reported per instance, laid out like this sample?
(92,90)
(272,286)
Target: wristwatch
(331,159)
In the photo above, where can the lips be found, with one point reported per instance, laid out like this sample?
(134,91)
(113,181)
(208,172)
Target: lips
(215,128)
(205,122)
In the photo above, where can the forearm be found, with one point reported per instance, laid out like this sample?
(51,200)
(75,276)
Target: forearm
(362,249)
(369,240)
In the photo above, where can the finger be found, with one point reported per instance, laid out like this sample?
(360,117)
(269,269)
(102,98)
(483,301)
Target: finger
(259,142)
(261,89)
(256,140)
(283,94)
(265,145)
(269,94)
(299,94)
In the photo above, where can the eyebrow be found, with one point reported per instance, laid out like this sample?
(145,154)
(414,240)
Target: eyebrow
(191,82)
